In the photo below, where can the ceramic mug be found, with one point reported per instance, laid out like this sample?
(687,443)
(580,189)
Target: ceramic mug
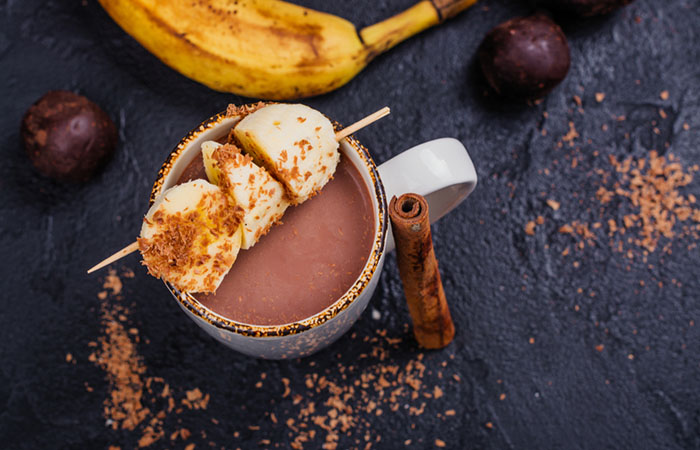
(440,170)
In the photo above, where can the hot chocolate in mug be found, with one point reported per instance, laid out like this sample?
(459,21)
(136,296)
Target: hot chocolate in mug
(440,170)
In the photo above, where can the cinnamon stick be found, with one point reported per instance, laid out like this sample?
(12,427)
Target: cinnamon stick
(432,322)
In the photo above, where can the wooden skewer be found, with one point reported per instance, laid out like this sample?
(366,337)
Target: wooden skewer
(131,248)
(345,132)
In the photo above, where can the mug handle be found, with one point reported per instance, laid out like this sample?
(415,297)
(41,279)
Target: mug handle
(440,170)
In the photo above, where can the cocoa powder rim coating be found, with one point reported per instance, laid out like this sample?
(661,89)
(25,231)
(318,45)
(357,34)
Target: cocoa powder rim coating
(189,302)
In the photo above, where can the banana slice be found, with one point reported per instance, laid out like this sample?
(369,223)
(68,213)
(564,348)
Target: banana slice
(191,236)
(252,188)
(295,143)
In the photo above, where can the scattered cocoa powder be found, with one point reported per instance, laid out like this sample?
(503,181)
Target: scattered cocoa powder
(555,205)
(648,190)
(333,408)
(132,392)
(329,409)
(112,283)
(644,206)
(530,228)
(571,135)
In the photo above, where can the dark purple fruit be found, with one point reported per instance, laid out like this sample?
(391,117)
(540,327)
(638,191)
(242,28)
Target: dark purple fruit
(67,136)
(525,57)
(585,8)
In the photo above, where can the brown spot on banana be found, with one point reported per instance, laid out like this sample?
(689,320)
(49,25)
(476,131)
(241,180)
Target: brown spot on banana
(311,36)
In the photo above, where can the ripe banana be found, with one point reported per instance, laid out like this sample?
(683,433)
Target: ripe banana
(267,48)
(191,236)
(250,187)
(295,143)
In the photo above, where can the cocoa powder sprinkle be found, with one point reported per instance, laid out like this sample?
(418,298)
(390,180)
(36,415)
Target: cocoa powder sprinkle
(337,402)
(130,402)
(649,188)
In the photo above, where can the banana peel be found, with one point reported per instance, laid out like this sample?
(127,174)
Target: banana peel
(267,49)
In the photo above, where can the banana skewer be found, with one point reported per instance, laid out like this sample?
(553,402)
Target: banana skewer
(267,48)
(248,185)
(295,143)
(191,236)
(196,258)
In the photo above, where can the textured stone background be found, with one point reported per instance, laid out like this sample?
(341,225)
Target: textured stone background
(523,327)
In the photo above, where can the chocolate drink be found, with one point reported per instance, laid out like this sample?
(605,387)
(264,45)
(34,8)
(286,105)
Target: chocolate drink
(303,264)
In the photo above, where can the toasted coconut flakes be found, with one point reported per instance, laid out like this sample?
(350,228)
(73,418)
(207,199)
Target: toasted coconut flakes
(243,110)
(179,246)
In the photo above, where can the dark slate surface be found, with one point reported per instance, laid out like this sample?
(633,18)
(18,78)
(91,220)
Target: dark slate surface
(524,328)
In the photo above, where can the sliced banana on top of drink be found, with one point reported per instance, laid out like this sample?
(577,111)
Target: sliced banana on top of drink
(191,236)
(295,143)
(261,197)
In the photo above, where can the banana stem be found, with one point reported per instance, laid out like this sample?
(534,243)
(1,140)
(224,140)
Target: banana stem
(384,35)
